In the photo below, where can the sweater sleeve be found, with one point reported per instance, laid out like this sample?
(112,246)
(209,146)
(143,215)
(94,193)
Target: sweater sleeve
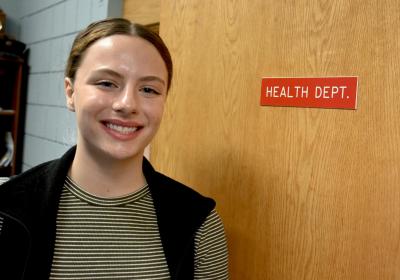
(211,252)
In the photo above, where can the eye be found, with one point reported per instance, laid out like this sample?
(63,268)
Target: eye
(149,91)
(106,84)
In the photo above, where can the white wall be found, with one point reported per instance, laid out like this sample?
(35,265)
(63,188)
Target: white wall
(48,27)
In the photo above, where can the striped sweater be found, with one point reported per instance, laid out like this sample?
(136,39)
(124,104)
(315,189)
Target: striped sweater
(118,238)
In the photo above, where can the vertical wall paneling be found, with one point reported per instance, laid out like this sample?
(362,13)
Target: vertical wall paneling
(48,27)
(304,193)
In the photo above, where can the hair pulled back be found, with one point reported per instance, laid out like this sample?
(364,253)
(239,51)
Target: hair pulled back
(108,27)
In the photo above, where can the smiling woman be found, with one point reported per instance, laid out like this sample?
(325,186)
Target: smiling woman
(102,211)
(118,93)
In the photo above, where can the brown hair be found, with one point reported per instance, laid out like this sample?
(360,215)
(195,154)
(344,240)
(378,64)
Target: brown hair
(109,27)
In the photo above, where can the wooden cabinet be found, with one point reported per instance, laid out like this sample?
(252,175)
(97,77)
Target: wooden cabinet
(12,111)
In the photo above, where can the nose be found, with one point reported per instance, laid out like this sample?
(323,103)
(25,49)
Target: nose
(125,101)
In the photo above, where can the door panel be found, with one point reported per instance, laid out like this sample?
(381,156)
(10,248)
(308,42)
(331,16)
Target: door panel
(304,193)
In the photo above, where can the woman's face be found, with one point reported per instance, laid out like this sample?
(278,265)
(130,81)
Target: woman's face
(118,95)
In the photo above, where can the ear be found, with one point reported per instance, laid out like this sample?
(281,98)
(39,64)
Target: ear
(69,94)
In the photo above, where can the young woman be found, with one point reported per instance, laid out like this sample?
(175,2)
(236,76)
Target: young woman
(101,211)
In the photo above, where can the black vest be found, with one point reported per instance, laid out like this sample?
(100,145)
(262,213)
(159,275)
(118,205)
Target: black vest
(28,212)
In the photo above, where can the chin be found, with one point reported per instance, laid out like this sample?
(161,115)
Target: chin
(124,155)
(124,152)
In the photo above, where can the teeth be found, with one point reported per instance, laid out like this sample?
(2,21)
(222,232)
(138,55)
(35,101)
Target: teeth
(121,129)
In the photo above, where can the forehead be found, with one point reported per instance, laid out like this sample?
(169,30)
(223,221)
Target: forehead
(125,53)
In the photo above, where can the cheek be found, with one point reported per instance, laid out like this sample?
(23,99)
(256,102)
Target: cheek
(158,112)
(154,110)
(90,103)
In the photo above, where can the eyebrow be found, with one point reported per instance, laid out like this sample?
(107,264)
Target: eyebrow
(108,72)
(118,75)
(152,78)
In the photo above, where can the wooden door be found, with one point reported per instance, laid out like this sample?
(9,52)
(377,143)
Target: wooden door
(304,193)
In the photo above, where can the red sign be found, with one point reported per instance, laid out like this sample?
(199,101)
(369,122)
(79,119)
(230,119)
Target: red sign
(326,92)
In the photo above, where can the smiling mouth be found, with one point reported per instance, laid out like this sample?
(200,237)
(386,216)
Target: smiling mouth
(122,129)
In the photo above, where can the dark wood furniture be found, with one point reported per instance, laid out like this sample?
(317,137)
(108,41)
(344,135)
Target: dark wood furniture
(13,69)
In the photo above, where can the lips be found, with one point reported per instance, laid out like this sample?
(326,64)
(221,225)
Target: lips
(123,130)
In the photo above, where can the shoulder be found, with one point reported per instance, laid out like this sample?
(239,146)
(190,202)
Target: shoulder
(175,199)
(180,190)
(19,194)
(35,185)
(46,173)
(20,182)
(169,189)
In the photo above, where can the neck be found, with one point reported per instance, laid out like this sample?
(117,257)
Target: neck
(106,177)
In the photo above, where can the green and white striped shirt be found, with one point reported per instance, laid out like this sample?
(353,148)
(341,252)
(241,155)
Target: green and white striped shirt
(118,238)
